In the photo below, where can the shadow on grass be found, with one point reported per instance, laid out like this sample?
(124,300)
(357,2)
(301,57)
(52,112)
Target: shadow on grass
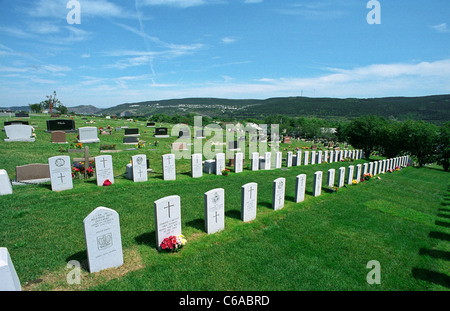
(439,235)
(442,223)
(198,223)
(443,216)
(81,257)
(265,204)
(148,239)
(435,253)
(431,276)
(233,214)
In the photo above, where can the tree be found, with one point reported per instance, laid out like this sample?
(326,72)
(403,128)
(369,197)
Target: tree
(420,140)
(36,108)
(365,133)
(53,103)
(443,147)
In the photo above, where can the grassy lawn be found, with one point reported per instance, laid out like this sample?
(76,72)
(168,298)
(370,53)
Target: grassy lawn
(323,243)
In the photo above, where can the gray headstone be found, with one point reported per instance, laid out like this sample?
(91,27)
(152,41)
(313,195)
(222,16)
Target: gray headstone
(9,281)
(209,167)
(103,239)
(300,187)
(104,169)
(59,137)
(167,218)
(33,173)
(168,166)
(215,210)
(5,183)
(131,140)
(88,135)
(279,186)
(60,173)
(249,201)
(18,133)
(139,167)
(196,165)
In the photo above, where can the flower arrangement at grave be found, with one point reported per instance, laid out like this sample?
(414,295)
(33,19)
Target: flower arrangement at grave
(225,172)
(367,176)
(173,243)
(140,145)
(398,168)
(354,182)
(78,170)
(108,147)
(107,182)
(76,146)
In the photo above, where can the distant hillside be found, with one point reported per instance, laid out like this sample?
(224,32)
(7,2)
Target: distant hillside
(434,109)
(84,109)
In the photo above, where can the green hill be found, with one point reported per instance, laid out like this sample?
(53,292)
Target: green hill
(434,109)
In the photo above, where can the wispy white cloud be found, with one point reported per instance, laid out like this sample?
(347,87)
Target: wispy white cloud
(441,28)
(228,40)
(253,1)
(175,3)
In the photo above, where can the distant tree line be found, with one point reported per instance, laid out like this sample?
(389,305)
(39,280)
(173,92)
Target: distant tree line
(427,142)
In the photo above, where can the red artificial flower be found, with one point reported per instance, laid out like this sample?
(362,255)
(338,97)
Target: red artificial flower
(107,183)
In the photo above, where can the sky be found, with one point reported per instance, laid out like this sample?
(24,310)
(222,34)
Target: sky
(140,50)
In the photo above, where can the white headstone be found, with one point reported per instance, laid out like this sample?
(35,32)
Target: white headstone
(358,172)
(196,165)
(319,157)
(60,173)
(215,210)
(331,177)
(351,170)
(278,159)
(255,161)
(375,168)
(289,156)
(300,186)
(87,135)
(168,166)
(5,183)
(298,159)
(104,169)
(238,162)
(9,281)
(341,177)
(249,200)
(220,163)
(267,160)
(139,165)
(331,157)
(103,239)
(305,158)
(167,218)
(313,157)
(279,185)
(19,132)
(317,189)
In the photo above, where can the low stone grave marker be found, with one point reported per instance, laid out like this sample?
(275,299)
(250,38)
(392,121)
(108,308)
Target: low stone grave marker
(167,218)
(5,183)
(104,169)
(34,173)
(19,133)
(88,135)
(9,281)
(103,239)
(60,173)
(300,186)
(59,137)
(249,201)
(278,192)
(214,210)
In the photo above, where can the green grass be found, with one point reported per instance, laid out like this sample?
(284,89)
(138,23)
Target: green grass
(323,243)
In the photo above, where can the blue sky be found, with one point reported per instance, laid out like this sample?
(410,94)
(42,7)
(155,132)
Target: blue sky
(131,51)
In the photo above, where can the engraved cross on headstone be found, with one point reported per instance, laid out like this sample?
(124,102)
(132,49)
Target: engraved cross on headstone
(168,207)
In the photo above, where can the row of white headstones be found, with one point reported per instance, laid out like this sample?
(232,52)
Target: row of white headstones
(102,226)
(61,170)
